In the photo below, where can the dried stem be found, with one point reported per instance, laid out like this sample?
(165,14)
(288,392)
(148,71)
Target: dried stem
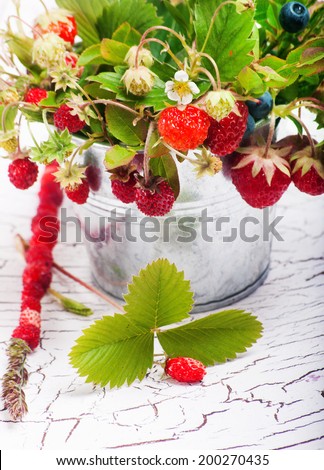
(270,135)
(146,152)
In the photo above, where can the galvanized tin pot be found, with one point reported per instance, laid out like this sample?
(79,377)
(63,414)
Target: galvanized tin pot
(219,241)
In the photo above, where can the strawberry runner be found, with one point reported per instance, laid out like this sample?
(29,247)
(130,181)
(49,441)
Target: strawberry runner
(37,278)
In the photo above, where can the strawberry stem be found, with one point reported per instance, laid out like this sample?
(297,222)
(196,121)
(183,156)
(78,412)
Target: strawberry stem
(166,48)
(45,7)
(146,162)
(25,23)
(209,75)
(23,246)
(213,62)
(309,137)
(270,135)
(180,154)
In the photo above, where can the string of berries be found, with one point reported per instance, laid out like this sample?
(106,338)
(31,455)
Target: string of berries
(37,278)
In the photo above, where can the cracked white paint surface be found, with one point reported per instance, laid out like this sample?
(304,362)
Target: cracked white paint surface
(272,397)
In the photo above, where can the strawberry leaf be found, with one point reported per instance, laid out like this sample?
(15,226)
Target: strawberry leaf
(166,167)
(229,42)
(212,339)
(118,156)
(158,296)
(126,34)
(121,125)
(113,351)
(114,52)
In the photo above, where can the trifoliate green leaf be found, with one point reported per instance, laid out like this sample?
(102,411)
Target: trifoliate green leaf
(212,339)
(158,296)
(113,351)
(114,52)
(126,34)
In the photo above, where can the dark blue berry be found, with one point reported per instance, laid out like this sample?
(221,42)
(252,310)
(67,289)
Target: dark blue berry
(262,109)
(250,126)
(293,17)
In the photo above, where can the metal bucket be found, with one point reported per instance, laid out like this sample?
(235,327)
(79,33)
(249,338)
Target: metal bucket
(219,241)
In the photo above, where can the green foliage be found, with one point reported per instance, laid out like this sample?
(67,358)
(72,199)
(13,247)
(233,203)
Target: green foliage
(113,351)
(118,156)
(212,339)
(58,146)
(229,42)
(166,167)
(140,14)
(120,123)
(160,293)
(119,349)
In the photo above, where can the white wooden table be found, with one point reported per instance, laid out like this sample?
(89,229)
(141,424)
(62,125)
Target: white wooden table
(272,397)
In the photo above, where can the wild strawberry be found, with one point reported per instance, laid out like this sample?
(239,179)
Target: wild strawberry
(185,369)
(30,303)
(63,119)
(261,181)
(29,333)
(124,191)
(58,22)
(35,95)
(39,254)
(37,273)
(23,173)
(31,317)
(224,136)
(156,200)
(307,172)
(78,193)
(183,130)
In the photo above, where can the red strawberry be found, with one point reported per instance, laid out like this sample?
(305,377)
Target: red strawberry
(23,173)
(307,172)
(71,59)
(65,28)
(39,254)
(29,333)
(185,369)
(35,95)
(78,193)
(63,119)
(124,191)
(30,303)
(261,181)
(224,136)
(156,201)
(37,273)
(31,317)
(183,130)
(94,177)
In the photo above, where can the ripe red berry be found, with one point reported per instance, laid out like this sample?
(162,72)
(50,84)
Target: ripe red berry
(67,30)
(29,333)
(155,202)
(30,303)
(124,191)
(23,173)
(39,254)
(78,193)
(35,95)
(183,130)
(261,181)
(63,119)
(224,136)
(37,273)
(93,175)
(308,172)
(185,369)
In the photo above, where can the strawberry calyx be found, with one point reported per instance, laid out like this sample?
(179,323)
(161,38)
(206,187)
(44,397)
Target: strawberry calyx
(275,159)
(304,161)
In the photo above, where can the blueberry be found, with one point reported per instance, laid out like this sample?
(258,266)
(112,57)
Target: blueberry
(293,17)
(250,126)
(262,109)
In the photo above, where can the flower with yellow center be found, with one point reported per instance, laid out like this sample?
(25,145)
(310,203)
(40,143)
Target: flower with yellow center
(180,89)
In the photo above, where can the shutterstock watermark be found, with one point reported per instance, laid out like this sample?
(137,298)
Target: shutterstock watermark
(186,229)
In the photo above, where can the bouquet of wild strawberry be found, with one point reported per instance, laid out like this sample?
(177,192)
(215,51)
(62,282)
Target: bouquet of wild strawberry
(165,81)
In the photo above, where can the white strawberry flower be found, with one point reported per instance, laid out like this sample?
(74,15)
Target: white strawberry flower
(180,89)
